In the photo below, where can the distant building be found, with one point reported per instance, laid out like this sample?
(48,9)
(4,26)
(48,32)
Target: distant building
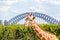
(5,22)
(0,22)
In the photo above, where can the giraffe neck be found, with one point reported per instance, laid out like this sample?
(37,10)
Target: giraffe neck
(37,30)
(42,34)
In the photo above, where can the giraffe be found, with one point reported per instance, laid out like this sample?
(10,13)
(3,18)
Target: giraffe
(41,33)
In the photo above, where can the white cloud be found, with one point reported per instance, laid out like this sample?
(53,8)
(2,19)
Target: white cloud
(27,6)
(37,9)
(4,9)
(9,2)
(39,1)
(54,2)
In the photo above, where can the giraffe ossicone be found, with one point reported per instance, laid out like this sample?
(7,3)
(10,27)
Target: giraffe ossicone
(41,33)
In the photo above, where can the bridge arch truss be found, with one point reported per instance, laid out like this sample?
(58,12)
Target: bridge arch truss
(45,17)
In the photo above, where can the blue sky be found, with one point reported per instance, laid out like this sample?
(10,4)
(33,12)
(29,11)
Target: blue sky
(11,8)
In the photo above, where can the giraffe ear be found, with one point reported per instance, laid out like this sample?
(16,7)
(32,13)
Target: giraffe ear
(33,18)
(30,14)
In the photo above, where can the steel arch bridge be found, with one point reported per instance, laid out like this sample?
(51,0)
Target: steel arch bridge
(45,17)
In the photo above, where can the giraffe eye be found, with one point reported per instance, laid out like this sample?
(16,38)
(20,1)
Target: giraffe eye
(30,20)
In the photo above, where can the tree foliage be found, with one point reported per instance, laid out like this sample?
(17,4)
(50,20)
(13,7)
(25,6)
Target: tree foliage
(19,32)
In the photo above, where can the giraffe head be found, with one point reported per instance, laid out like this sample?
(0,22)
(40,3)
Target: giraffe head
(29,20)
